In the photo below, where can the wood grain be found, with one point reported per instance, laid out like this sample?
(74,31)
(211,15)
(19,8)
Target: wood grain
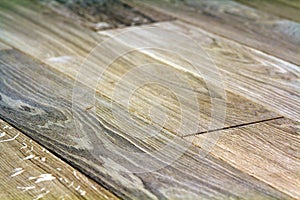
(284,9)
(245,71)
(29,171)
(265,32)
(269,151)
(66,55)
(107,15)
(41,107)
(3,46)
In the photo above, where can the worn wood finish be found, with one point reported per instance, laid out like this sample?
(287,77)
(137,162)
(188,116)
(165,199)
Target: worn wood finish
(29,171)
(41,107)
(282,8)
(67,55)
(269,151)
(243,24)
(245,71)
(107,15)
(44,34)
(3,46)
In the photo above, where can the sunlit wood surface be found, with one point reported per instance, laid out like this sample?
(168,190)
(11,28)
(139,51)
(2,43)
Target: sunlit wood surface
(49,72)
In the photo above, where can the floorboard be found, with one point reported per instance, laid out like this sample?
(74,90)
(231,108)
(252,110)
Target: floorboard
(247,72)
(284,9)
(41,108)
(268,151)
(70,53)
(251,27)
(113,120)
(29,171)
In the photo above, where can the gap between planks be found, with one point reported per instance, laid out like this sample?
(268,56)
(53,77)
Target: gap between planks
(232,127)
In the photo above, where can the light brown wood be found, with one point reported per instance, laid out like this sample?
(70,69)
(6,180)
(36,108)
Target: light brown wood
(29,171)
(251,27)
(269,151)
(282,8)
(265,79)
(39,100)
(68,58)
(42,108)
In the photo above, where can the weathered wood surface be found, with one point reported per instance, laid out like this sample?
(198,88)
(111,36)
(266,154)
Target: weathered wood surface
(267,80)
(29,171)
(66,56)
(105,15)
(41,107)
(268,33)
(282,8)
(269,151)
(3,46)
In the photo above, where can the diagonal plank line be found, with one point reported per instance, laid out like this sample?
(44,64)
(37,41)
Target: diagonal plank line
(235,126)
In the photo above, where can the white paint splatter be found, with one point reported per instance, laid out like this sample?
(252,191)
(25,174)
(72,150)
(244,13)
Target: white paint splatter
(24,189)
(75,174)
(43,159)
(42,195)
(17,172)
(24,146)
(44,177)
(82,192)
(72,183)
(29,157)
(2,134)
(11,139)
(77,188)
(58,169)
(5,127)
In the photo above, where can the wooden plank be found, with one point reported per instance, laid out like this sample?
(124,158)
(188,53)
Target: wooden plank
(245,71)
(29,171)
(106,14)
(3,46)
(269,151)
(70,66)
(44,34)
(277,7)
(41,107)
(232,20)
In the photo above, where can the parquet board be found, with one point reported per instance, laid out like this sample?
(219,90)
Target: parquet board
(282,8)
(265,79)
(39,100)
(269,151)
(239,110)
(251,27)
(29,171)
(41,107)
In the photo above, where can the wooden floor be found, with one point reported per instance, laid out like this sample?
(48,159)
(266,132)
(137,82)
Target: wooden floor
(102,101)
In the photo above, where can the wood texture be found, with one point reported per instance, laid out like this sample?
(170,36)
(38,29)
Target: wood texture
(245,71)
(39,100)
(265,32)
(269,151)
(282,8)
(107,15)
(29,171)
(41,107)
(66,56)
(3,46)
